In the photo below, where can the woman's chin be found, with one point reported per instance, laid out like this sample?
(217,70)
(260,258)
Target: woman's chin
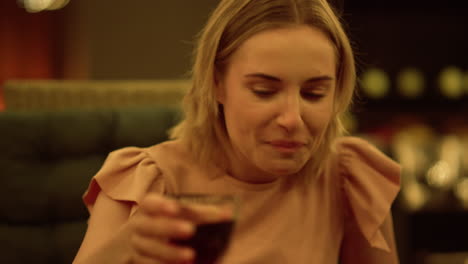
(283,166)
(281,170)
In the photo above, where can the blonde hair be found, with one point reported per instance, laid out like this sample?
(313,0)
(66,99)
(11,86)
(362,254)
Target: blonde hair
(233,22)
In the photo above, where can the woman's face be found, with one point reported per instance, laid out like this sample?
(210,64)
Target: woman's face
(277,93)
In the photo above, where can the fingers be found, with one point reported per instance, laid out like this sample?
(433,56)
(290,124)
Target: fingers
(159,205)
(160,220)
(163,227)
(147,248)
(156,223)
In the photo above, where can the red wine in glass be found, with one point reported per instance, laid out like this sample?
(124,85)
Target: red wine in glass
(209,241)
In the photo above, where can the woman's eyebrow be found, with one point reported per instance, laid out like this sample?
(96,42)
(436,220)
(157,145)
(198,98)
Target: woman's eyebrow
(320,79)
(276,79)
(263,76)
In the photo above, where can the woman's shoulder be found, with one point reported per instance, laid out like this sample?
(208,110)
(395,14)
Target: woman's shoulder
(169,149)
(172,155)
(128,173)
(359,162)
(354,152)
(131,156)
(370,182)
(170,158)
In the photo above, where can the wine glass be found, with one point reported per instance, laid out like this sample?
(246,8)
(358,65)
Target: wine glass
(211,237)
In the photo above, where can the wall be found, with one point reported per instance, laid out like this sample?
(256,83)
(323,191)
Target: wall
(143,39)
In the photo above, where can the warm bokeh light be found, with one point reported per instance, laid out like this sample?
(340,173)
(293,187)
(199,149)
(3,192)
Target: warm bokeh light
(415,195)
(34,6)
(57,4)
(450,82)
(445,171)
(375,83)
(410,82)
(410,146)
(439,175)
(461,191)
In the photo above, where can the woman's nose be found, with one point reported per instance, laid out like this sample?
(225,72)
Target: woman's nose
(290,114)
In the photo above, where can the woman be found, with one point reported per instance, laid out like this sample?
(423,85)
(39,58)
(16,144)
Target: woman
(272,80)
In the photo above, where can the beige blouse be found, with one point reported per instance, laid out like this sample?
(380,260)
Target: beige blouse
(279,222)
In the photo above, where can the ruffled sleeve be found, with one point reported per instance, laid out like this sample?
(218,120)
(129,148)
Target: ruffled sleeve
(370,183)
(126,175)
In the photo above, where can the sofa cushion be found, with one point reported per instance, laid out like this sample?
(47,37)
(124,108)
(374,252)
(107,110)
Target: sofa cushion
(46,163)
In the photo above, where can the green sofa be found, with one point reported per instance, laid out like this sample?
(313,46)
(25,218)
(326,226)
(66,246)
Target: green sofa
(46,162)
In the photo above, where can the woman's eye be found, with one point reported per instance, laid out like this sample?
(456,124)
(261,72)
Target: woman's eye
(263,93)
(263,90)
(312,95)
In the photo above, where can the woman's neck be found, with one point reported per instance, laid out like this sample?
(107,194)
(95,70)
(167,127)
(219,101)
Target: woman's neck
(239,167)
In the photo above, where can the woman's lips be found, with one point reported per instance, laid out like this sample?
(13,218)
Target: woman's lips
(286,146)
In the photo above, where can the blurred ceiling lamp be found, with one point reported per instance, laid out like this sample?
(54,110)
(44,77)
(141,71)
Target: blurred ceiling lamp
(34,6)
(375,83)
(410,82)
(450,82)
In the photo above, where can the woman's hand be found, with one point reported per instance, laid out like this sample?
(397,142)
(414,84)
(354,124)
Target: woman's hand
(145,237)
(160,220)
